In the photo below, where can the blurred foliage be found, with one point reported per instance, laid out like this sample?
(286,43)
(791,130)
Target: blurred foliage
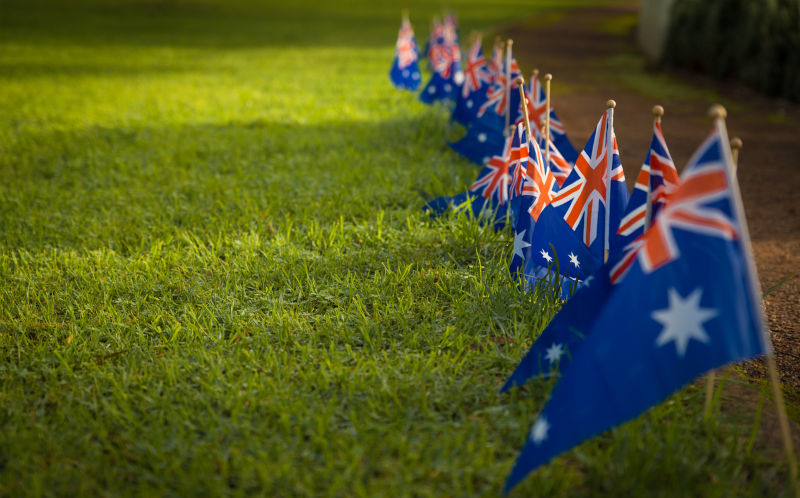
(756,42)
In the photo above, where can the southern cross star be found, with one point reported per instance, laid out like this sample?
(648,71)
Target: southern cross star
(554,352)
(546,256)
(539,430)
(520,244)
(573,258)
(683,320)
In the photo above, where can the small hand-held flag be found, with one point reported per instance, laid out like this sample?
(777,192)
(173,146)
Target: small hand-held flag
(593,197)
(657,179)
(475,85)
(444,58)
(405,66)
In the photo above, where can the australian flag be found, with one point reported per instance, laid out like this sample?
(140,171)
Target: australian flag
(657,179)
(405,67)
(703,310)
(474,87)
(444,57)
(487,198)
(581,200)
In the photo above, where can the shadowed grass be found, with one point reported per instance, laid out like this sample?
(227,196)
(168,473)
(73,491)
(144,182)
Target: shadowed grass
(217,278)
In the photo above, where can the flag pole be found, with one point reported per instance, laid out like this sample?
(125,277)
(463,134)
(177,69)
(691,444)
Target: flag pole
(404,15)
(718,113)
(508,85)
(521,84)
(736,144)
(610,105)
(547,77)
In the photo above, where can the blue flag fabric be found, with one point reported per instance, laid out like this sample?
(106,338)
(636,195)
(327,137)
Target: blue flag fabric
(559,341)
(405,72)
(702,310)
(581,200)
(553,241)
(480,143)
(488,195)
(438,88)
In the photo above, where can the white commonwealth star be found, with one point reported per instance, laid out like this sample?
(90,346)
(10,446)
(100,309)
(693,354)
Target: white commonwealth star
(458,78)
(574,260)
(539,430)
(415,76)
(683,320)
(546,255)
(554,352)
(447,87)
(520,244)
(469,104)
(405,73)
(431,89)
(481,137)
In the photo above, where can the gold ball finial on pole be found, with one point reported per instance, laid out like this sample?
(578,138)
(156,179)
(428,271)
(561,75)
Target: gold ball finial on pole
(717,112)
(547,77)
(611,104)
(658,112)
(736,146)
(534,73)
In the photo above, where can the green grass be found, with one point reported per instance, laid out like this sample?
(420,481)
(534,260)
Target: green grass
(217,278)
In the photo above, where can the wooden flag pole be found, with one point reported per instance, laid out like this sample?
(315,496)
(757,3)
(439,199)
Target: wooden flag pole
(658,112)
(718,113)
(404,15)
(610,106)
(508,84)
(521,84)
(547,77)
(736,144)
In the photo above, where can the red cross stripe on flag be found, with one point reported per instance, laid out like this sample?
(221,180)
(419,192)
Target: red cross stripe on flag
(442,58)
(494,179)
(588,191)
(406,52)
(518,161)
(558,165)
(686,210)
(633,220)
(475,73)
(663,175)
(539,183)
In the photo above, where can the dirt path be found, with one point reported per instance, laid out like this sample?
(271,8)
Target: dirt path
(592,59)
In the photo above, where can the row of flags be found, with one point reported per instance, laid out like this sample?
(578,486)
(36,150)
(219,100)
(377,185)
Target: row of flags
(659,285)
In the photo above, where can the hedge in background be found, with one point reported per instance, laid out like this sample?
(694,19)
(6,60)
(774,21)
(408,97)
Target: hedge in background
(754,41)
